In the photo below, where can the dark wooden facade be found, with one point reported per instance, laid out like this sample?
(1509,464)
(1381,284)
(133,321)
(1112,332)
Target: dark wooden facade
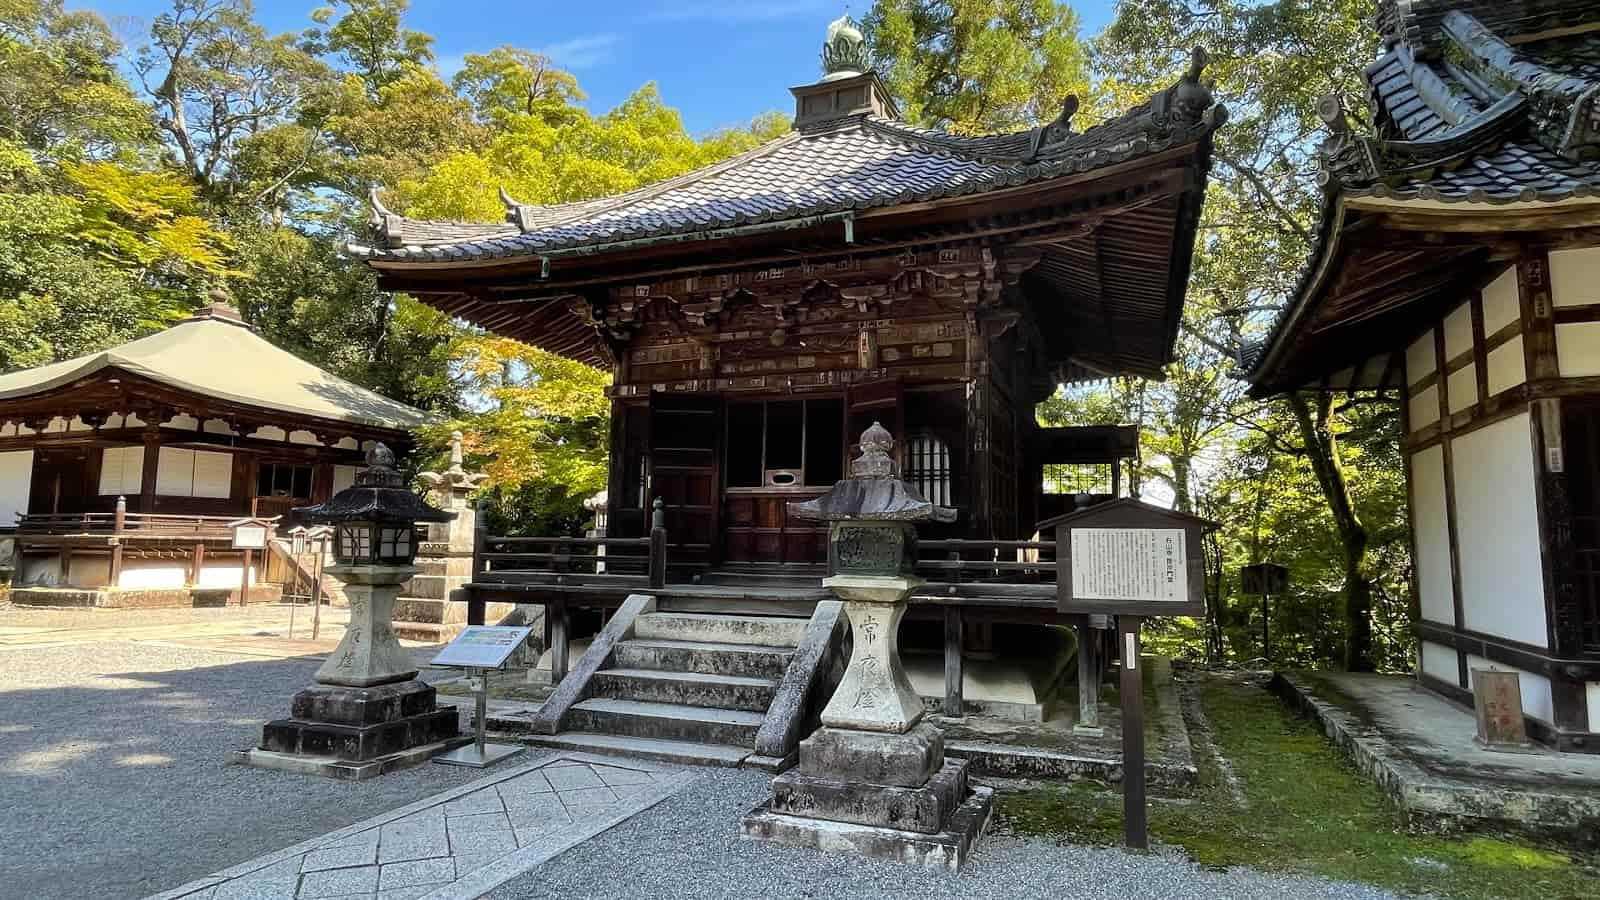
(758,315)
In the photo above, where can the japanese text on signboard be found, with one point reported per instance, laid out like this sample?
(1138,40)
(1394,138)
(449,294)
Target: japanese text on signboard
(1130,564)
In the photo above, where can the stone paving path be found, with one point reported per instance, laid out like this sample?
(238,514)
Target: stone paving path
(457,844)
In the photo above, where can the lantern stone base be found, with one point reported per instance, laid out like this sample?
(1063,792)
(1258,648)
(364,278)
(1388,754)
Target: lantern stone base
(893,796)
(334,724)
(945,849)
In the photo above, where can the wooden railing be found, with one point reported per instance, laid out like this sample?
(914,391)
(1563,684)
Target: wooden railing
(132,525)
(972,561)
(508,559)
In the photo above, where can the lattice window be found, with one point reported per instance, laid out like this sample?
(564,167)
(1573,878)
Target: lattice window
(927,467)
(1072,479)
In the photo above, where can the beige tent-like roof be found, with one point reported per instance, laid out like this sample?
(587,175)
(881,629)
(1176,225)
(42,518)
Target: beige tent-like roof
(216,354)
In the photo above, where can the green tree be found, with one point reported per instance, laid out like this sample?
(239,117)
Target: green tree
(218,81)
(979,66)
(1271,63)
(59,86)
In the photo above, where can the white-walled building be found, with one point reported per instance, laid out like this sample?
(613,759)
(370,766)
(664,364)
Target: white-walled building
(190,427)
(1458,262)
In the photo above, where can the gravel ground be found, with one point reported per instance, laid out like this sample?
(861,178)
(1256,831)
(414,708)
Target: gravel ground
(112,774)
(688,847)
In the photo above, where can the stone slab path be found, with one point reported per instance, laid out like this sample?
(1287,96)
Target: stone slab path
(457,844)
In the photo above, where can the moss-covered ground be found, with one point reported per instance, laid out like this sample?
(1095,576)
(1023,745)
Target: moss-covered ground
(1304,810)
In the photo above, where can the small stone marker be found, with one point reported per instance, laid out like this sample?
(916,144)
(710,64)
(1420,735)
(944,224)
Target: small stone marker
(1497,697)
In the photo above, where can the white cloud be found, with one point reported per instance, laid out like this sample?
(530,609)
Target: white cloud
(582,52)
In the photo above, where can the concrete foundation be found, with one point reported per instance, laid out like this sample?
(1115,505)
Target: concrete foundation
(158,598)
(1423,751)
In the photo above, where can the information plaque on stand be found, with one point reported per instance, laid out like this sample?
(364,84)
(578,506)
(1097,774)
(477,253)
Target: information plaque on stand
(479,650)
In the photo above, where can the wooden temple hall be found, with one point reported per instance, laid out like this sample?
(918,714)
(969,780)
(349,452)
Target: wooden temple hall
(120,471)
(1458,264)
(757,315)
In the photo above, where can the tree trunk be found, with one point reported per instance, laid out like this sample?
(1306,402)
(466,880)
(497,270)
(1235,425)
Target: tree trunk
(1322,449)
(1181,500)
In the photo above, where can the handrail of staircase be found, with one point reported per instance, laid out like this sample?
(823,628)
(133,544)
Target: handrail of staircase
(573,687)
(804,687)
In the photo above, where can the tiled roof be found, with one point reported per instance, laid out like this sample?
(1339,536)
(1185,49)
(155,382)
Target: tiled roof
(851,163)
(1462,115)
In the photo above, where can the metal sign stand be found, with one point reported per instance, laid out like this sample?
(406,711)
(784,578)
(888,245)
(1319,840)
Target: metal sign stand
(479,754)
(478,650)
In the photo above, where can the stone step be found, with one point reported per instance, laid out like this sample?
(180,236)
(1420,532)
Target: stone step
(428,632)
(665,721)
(430,587)
(756,578)
(686,688)
(686,752)
(746,660)
(766,631)
(429,610)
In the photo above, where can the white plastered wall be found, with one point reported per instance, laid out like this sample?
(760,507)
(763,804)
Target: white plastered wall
(1507,366)
(1575,276)
(1440,662)
(1422,406)
(1431,526)
(1501,303)
(1497,532)
(1592,694)
(1536,697)
(16,477)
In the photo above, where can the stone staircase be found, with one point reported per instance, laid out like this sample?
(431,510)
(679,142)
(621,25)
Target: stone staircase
(684,687)
(424,611)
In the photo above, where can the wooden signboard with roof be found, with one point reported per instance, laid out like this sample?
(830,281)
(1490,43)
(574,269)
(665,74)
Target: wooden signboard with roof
(1130,559)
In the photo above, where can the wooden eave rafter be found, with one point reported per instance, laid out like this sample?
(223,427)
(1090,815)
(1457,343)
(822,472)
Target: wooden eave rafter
(136,394)
(514,301)
(1332,328)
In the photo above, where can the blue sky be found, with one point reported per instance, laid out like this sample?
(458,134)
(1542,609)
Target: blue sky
(718,61)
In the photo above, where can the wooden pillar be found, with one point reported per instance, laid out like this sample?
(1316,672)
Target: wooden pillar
(476,606)
(560,628)
(658,545)
(197,562)
(117,524)
(954,704)
(65,556)
(1135,832)
(152,462)
(1088,680)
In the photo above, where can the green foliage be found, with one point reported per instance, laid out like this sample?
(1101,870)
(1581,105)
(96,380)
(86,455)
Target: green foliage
(59,86)
(1303,810)
(978,66)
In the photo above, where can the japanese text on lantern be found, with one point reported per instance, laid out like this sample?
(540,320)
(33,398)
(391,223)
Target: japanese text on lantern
(1137,564)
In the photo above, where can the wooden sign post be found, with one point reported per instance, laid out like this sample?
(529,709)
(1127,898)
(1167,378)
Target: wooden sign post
(1132,560)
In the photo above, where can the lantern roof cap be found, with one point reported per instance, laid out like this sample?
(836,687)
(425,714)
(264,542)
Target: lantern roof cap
(378,495)
(874,491)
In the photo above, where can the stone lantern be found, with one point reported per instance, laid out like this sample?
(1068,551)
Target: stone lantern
(366,713)
(873,780)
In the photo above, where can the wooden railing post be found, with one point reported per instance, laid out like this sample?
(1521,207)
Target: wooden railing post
(198,562)
(658,544)
(117,523)
(953,674)
(480,545)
